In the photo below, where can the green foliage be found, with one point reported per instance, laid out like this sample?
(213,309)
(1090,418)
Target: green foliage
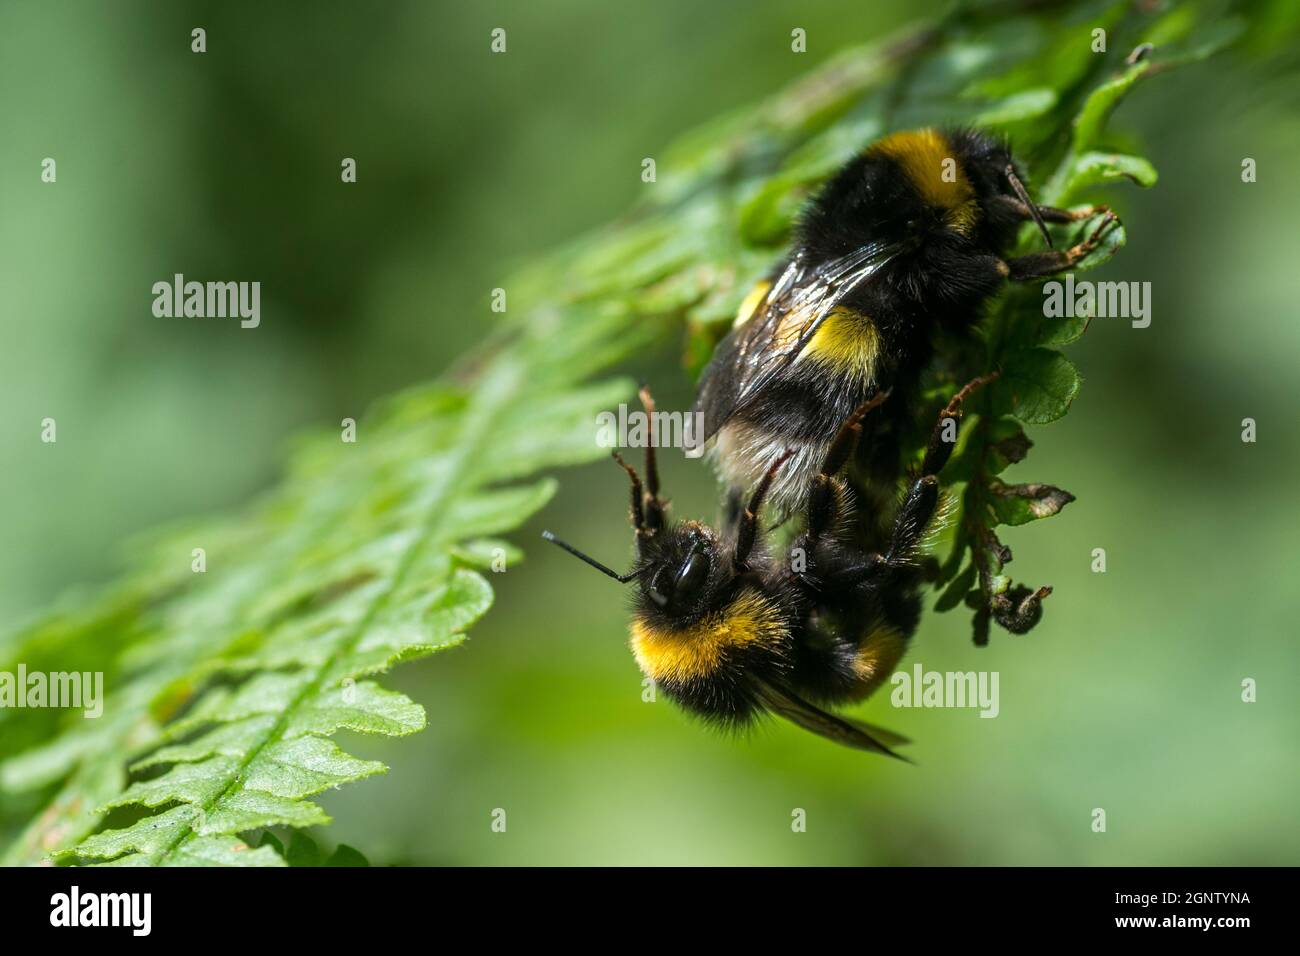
(1037,383)
(228,685)
(303,851)
(225,688)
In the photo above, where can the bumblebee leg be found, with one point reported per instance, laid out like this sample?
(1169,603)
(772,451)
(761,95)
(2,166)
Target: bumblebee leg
(638,514)
(1052,214)
(922,498)
(1039,264)
(910,522)
(654,504)
(939,450)
(823,503)
(747,528)
(846,440)
(1022,210)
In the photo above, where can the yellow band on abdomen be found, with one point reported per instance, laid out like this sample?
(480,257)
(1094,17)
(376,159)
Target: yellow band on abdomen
(848,342)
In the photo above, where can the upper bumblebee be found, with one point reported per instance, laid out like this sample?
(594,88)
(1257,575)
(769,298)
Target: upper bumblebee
(907,238)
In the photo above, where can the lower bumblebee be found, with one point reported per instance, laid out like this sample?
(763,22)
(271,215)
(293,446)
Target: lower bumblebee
(730,632)
(908,239)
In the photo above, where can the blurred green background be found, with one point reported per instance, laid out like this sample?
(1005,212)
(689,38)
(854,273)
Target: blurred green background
(227,165)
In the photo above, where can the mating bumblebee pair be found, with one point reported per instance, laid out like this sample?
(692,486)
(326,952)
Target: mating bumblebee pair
(805,404)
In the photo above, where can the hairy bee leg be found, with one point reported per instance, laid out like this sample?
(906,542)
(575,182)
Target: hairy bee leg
(638,515)
(747,530)
(913,516)
(1049,213)
(938,451)
(922,498)
(822,505)
(654,504)
(846,440)
(910,522)
(1052,214)
(1039,264)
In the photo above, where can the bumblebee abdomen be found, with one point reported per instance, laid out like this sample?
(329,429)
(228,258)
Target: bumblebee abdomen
(876,657)
(745,451)
(837,666)
(847,343)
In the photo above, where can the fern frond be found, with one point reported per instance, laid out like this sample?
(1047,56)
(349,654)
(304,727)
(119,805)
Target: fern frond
(246,672)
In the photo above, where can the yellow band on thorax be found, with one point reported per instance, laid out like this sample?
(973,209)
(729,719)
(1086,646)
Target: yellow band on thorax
(696,652)
(927,159)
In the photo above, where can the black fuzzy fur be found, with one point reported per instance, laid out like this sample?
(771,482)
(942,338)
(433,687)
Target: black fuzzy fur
(941,281)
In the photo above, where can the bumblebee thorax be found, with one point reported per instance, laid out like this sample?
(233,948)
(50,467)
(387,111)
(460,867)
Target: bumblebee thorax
(929,161)
(748,625)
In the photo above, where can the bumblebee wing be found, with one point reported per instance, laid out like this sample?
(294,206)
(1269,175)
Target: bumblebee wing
(780,328)
(743,349)
(883,734)
(854,734)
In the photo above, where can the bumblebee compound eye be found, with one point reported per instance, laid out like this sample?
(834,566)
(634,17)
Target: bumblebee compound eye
(660,588)
(693,574)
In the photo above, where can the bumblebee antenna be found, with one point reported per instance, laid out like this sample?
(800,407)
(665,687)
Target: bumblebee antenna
(1023,195)
(620,578)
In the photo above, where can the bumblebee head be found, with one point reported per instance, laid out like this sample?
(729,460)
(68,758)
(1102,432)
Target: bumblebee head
(681,570)
(916,183)
(984,160)
(700,625)
(679,573)
(994,175)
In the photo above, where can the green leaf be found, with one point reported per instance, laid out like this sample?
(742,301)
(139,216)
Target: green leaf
(359,564)
(1097,108)
(302,851)
(1038,385)
(485,553)
(146,842)
(1018,107)
(1007,444)
(1055,332)
(1093,168)
(345,855)
(269,839)
(956,590)
(1020,504)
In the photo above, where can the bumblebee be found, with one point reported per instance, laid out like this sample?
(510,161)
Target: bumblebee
(908,239)
(730,632)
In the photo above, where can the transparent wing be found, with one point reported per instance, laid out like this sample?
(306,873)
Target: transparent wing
(850,733)
(784,323)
